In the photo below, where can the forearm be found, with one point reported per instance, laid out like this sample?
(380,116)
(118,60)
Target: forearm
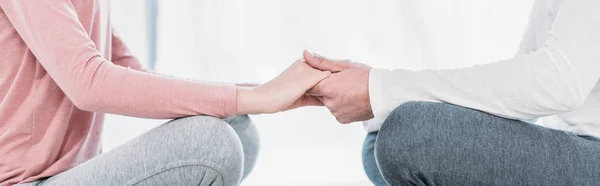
(103,87)
(522,88)
(244,96)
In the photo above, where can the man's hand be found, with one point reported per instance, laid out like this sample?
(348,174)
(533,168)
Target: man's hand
(345,92)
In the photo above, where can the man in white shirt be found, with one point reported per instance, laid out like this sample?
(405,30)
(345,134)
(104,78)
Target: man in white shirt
(467,126)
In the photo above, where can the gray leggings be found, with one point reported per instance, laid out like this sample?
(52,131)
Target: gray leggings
(424,143)
(198,150)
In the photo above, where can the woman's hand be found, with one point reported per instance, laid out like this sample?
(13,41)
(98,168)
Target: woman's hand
(286,91)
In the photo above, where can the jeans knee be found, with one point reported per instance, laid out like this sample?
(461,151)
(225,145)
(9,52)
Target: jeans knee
(405,141)
(410,116)
(421,140)
(425,117)
(415,110)
(211,141)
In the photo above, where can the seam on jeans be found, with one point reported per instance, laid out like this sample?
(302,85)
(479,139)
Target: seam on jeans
(451,173)
(164,170)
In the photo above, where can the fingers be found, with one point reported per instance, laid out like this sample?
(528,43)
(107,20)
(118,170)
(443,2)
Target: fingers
(311,101)
(316,90)
(317,76)
(321,63)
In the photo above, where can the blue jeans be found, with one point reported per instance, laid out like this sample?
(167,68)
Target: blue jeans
(424,143)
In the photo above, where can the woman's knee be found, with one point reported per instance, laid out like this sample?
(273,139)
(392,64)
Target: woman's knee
(208,141)
(247,133)
(249,136)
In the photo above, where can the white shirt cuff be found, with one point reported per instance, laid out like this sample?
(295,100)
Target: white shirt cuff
(377,100)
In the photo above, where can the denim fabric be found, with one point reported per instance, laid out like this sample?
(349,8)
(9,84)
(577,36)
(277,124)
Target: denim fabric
(424,143)
(369,163)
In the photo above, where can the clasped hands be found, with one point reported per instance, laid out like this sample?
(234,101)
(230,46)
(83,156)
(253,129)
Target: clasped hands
(341,86)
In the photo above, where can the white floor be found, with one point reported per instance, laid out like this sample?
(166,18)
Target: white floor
(305,147)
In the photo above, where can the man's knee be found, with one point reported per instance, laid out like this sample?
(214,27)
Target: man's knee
(425,117)
(210,141)
(409,140)
(412,116)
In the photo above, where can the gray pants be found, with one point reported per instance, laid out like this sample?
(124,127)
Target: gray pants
(198,150)
(441,144)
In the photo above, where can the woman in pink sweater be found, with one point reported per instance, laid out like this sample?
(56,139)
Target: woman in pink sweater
(62,66)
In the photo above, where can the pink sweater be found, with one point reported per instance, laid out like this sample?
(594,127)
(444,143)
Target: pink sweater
(61,68)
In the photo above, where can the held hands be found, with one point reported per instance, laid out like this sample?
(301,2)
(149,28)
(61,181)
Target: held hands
(313,81)
(345,92)
(285,92)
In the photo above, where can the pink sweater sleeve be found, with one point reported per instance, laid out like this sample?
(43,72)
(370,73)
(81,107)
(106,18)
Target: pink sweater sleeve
(121,55)
(52,31)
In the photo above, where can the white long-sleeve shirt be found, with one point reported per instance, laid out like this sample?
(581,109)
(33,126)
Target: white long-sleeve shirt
(553,78)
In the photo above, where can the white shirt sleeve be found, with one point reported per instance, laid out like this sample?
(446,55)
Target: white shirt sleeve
(553,79)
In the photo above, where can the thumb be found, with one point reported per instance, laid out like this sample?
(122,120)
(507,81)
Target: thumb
(313,80)
(317,77)
(321,63)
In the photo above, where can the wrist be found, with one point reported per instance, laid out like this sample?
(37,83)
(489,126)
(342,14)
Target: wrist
(244,98)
